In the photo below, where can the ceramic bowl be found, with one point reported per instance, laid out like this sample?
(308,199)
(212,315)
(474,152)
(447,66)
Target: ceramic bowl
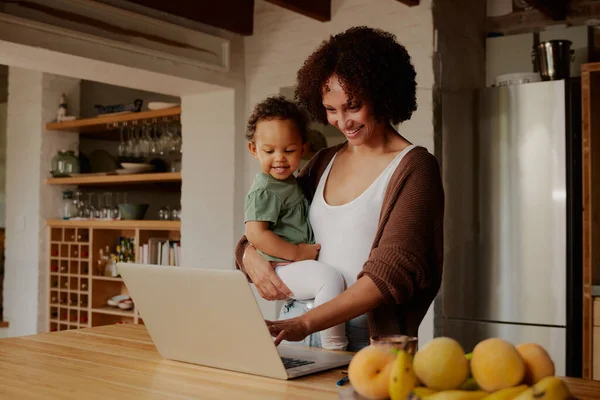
(133,211)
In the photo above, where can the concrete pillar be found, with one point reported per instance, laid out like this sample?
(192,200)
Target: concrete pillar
(33,99)
(208,174)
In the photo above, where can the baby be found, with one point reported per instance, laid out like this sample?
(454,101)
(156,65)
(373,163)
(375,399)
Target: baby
(276,211)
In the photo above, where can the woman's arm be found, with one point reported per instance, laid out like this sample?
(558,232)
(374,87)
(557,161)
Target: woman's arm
(358,299)
(409,255)
(400,264)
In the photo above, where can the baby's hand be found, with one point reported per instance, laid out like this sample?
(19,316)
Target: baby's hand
(307,251)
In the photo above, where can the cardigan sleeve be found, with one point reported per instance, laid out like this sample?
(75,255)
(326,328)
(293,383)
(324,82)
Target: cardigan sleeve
(407,256)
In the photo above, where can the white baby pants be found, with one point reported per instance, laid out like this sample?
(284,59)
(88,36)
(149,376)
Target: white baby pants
(310,279)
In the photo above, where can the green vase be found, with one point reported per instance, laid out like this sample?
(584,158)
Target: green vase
(65,163)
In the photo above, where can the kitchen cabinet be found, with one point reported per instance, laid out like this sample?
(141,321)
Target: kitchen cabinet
(596,341)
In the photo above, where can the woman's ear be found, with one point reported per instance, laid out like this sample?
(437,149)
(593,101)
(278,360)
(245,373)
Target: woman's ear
(252,148)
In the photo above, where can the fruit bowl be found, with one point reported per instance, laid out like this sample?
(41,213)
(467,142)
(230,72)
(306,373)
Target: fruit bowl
(441,370)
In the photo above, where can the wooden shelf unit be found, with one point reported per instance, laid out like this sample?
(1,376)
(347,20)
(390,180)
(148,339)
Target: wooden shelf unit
(590,138)
(77,293)
(158,177)
(109,122)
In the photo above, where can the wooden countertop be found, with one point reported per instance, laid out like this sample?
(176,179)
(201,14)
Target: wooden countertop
(120,362)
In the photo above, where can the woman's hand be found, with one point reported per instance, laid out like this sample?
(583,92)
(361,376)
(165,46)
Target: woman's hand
(293,329)
(267,282)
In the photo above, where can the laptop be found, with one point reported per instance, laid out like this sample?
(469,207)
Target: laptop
(210,317)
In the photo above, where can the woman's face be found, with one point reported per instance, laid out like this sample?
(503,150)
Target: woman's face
(354,120)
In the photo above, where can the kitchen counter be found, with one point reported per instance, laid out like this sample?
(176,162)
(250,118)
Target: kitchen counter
(120,361)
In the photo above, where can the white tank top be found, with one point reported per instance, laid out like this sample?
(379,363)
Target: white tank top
(346,232)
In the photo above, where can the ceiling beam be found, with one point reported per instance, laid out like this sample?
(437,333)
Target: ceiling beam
(555,9)
(410,3)
(232,15)
(316,9)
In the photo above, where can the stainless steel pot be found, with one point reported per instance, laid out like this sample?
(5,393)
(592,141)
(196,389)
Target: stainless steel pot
(553,59)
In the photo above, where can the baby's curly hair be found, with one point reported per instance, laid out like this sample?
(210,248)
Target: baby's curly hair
(372,67)
(277,107)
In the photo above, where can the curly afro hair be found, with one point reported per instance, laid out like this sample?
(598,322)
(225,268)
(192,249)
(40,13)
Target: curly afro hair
(371,66)
(277,107)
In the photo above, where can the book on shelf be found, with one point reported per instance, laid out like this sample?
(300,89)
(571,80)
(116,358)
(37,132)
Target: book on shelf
(161,251)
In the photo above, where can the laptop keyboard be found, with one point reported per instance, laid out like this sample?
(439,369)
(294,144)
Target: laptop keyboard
(294,362)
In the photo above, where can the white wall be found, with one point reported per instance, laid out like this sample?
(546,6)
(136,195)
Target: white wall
(207,203)
(24,143)
(33,99)
(283,39)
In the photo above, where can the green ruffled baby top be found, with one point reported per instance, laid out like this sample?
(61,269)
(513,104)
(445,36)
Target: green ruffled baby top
(283,205)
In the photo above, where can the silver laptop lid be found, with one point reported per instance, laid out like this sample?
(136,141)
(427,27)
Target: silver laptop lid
(203,316)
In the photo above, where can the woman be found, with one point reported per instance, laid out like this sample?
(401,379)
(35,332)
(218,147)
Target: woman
(377,202)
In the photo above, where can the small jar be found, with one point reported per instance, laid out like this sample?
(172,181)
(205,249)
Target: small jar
(65,163)
(400,342)
(69,208)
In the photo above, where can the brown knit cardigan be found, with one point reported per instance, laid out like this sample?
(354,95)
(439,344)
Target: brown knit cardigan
(406,258)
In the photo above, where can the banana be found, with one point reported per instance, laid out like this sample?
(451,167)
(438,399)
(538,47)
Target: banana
(548,388)
(402,378)
(422,391)
(419,392)
(506,394)
(457,395)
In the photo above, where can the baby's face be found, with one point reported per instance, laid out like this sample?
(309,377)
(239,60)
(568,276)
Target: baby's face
(278,147)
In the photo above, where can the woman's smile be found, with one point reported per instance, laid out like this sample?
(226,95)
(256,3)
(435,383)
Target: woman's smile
(353,133)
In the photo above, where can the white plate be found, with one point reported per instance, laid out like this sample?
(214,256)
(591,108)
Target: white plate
(156,105)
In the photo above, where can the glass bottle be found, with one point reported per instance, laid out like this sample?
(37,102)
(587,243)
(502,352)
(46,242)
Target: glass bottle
(69,209)
(111,267)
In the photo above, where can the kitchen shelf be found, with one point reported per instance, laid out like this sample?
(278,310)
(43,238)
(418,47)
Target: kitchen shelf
(107,278)
(109,122)
(76,291)
(113,311)
(115,224)
(157,177)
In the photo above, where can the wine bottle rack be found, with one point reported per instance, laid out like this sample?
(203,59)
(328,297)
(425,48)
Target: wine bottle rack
(77,290)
